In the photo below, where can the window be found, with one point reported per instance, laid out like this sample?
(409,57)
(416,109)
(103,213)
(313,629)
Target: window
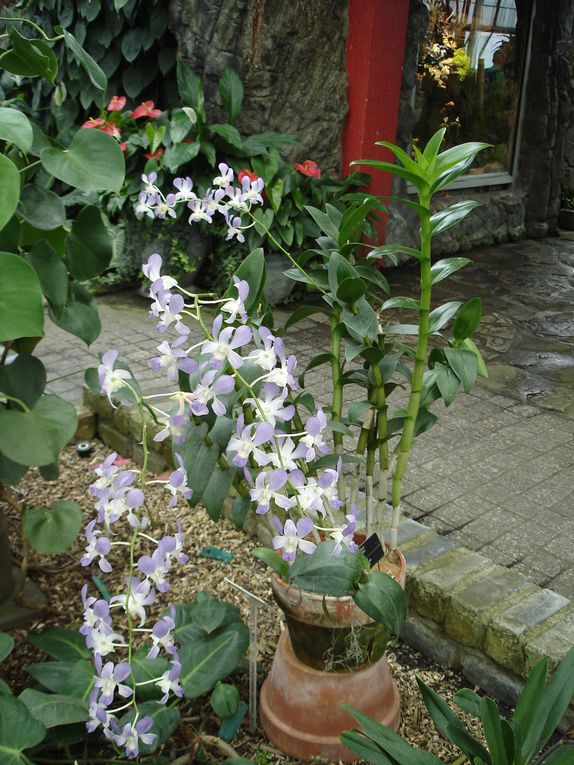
(469,75)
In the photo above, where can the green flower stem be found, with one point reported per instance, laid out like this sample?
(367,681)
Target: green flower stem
(36,27)
(15,400)
(360,450)
(27,167)
(287,253)
(405,444)
(63,377)
(383,448)
(337,408)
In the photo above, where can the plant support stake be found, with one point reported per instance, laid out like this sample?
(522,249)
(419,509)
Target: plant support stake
(254,602)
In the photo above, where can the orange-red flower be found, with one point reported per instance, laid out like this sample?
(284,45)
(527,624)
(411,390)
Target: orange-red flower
(116,104)
(94,122)
(145,109)
(112,129)
(156,155)
(123,145)
(309,168)
(245,173)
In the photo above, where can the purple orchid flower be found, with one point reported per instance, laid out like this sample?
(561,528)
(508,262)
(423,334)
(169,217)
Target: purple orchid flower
(291,537)
(225,341)
(110,679)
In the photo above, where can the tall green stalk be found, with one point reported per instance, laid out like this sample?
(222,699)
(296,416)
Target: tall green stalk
(405,444)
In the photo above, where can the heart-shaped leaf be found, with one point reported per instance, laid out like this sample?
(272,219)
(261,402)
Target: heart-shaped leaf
(94,162)
(51,272)
(53,531)
(9,189)
(15,127)
(53,709)
(79,316)
(41,208)
(21,310)
(89,246)
(24,378)
(29,57)
(19,730)
(6,645)
(37,436)
(61,644)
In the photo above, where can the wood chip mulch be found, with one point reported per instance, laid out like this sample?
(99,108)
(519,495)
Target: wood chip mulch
(61,578)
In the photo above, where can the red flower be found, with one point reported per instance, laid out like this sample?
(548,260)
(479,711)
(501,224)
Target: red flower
(116,104)
(309,168)
(156,155)
(94,122)
(145,109)
(123,145)
(245,173)
(112,129)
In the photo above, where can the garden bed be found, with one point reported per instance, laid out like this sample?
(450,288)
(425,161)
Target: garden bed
(61,579)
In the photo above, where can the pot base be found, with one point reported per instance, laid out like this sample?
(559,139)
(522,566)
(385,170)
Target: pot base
(301,709)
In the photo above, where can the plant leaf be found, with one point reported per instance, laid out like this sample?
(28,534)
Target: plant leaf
(15,127)
(231,92)
(89,245)
(18,731)
(61,644)
(53,531)
(443,268)
(52,709)
(384,600)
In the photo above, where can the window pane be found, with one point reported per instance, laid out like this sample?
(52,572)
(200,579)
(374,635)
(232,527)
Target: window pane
(468,78)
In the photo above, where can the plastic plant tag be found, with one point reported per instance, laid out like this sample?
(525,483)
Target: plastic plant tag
(216,554)
(372,549)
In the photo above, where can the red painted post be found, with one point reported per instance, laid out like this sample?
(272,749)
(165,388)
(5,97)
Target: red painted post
(375,54)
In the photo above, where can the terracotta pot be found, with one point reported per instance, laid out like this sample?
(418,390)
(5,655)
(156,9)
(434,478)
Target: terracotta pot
(331,654)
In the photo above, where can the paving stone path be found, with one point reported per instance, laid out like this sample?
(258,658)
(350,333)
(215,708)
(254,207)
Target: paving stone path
(496,472)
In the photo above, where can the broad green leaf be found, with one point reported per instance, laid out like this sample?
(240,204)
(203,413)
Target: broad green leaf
(366,749)
(190,88)
(448,176)
(61,644)
(326,573)
(9,189)
(51,272)
(79,316)
(464,364)
(471,346)
(229,728)
(224,700)
(350,290)
(456,154)
(179,127)
(207,658)
(24,378)
(165,721)
(413,177)
(41,208)
(36,437)
(450,725)
(362,323)
(448,383)
(275,193)
(357,409)
(132,44)
(444,219)
(29,57)
(467,319)
(240,508)
(144,669)
(431,149)
(229,134)
(15,127)
(253,270)
(206,614)
(216,491)
(551,705)
(6,645)
(21,311)
(179,154)
(273,560)
(53,709)
(384,600)
(19,730)
(92,69)
(563,755)
(231,92)
(198,458)
(391,743)
(11,472)
(468,700)
(93,162)
(53,531)
(11,235)
(493,734)
(69,678)
(351,226)
(316,361)
(402,156)
(89,246)
(324,222)
(400,302)
(443,268)
(388,251)
(441,316)
(370,273)
(339,269)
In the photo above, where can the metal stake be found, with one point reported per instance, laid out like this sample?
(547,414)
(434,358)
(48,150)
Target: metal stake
(254,603)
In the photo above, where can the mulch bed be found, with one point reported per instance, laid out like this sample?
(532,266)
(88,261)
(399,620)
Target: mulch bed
(61,578)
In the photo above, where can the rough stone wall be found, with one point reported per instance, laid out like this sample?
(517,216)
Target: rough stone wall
(548,111)
(290,55)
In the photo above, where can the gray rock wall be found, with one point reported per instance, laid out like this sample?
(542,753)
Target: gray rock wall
(290,55)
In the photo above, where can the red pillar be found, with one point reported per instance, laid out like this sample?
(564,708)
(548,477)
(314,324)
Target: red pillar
(375,54)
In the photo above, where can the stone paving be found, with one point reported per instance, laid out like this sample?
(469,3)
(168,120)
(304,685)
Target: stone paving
(495,473)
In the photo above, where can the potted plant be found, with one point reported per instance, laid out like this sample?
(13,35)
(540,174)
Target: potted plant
(281,452)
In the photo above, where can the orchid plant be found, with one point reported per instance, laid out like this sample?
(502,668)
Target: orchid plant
(355,298)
